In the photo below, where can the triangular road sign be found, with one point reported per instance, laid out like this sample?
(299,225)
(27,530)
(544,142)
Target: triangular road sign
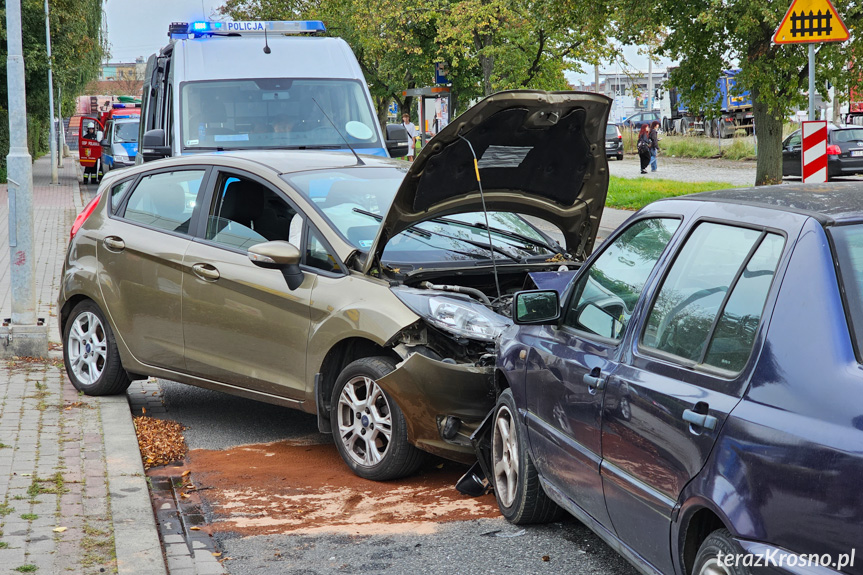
(811,21)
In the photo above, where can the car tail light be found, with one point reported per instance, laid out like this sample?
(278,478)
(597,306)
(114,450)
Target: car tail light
(82,217)
(833,150)
(620,138)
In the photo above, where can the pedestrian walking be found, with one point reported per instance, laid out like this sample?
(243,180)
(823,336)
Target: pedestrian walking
(412,135)
(653,136)
(643,147)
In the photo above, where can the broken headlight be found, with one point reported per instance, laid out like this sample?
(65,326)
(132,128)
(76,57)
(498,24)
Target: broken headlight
(461,316)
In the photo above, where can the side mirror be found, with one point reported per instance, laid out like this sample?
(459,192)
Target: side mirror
(536,307)
(598,321)
(100,135)
(105,143)
(397,140)
(153,146)
(282,256)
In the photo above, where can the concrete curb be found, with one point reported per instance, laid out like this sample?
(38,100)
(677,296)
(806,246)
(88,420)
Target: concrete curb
(136,539)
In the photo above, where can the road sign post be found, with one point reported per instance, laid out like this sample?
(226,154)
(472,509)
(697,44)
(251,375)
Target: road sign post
(810,22)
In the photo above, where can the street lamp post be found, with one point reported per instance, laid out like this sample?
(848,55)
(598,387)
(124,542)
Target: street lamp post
(53,132)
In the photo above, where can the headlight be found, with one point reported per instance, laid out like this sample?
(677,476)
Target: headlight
(121,157)
(456,314)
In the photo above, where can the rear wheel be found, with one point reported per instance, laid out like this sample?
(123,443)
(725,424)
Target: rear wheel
(717,555)
(90,352)
(520,497)
(368,427)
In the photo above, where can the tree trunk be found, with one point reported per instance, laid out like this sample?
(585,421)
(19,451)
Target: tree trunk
(381,105)
(769,131)
(486,61)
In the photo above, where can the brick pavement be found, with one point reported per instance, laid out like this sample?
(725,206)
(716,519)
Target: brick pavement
(58,480)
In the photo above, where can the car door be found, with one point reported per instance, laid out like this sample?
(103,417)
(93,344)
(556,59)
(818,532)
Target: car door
(792,159)
(687,373)
(107,153)
(140,258)
(242,325)
(568,365)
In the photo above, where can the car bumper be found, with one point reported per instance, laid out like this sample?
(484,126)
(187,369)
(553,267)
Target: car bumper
(778,561)
(442,403)
(117,164)
(838,166)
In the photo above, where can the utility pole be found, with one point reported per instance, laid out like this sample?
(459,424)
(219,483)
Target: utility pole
(23,334)
(596,78)
(649,82)
(54,176)
(61,136)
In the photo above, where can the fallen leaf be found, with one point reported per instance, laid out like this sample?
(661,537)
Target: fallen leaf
(184,495)
(195,528)
(546,558)
(185,473)
(160,441)
(59,529)
(143,411)
(216,554)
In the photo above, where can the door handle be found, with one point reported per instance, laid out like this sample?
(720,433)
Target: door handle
(699,419)
(114,243)
(594,382)
(206,271)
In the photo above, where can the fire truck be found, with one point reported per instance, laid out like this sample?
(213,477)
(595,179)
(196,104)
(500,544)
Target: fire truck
(92,133)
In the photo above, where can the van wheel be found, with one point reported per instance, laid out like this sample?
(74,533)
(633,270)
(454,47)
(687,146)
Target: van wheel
(519,495)
(719,544)
(368,427)
(90,352)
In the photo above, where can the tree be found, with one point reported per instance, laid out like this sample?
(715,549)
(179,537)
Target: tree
(709,36)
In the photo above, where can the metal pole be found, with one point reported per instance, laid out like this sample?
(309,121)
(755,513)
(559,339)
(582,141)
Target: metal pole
(20,176)
(649,84)
(53,144)
(61,136)
(596,78)
(812,82)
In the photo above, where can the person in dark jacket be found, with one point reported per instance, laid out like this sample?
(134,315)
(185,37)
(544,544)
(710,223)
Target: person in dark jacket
(653,136)
(643,147)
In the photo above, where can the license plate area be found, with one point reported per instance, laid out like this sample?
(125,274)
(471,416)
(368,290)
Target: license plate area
(857,153)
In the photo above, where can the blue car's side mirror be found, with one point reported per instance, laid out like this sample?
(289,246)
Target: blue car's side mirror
(536,307)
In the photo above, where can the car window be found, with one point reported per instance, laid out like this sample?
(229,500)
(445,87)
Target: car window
(794,139)
(605,296)
(611,131)
(165,200)
(850,135)
(318,255)
(245,213)
(848,242)
(715,259)
(118,192)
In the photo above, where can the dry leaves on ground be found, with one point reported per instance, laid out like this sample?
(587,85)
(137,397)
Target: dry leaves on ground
(160,441)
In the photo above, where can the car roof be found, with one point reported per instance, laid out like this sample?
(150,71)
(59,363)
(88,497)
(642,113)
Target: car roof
(830,203)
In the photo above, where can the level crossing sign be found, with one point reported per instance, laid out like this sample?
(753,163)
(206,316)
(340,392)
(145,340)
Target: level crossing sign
(811,21)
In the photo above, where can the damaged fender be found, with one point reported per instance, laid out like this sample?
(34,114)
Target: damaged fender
(428,391)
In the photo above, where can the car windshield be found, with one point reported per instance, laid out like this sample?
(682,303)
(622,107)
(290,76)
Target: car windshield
(354,201)
(126,132)
(276,113)
(611,131)
(850,135)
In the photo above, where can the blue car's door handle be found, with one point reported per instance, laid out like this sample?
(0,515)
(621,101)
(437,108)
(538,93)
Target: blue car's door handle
(595,382)
(699,419)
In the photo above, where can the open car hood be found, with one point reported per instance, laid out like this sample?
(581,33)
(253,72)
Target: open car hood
(539,153)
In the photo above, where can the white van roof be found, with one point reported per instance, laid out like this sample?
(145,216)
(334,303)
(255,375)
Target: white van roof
(243,57)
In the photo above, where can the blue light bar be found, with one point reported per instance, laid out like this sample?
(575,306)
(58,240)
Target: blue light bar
(207,28)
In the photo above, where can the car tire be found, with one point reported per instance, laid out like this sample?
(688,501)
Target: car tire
(519,495)
(90,352)
(707,560)
(354,419)
(619,157)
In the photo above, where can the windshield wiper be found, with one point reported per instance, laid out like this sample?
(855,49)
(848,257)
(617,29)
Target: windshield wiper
(490,247)
(557,248)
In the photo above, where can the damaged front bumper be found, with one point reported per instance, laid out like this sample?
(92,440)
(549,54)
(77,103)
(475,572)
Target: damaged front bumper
(443,403)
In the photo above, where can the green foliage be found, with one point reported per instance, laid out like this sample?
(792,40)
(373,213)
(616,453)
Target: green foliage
(634,194)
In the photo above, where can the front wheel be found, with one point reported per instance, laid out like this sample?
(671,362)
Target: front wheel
(90,352)
(368,427)
(718,554)
(519,495)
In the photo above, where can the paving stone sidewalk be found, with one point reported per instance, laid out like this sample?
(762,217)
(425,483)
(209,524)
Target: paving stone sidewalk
(73,498)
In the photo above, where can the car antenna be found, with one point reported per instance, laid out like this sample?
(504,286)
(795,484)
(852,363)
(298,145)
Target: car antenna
(485,214)
(266,46)
(348,144)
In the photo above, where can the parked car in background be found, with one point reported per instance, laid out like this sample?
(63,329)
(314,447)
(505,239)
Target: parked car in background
(636,120)
(613,142)
(365,290)
(844,151)
(696,392)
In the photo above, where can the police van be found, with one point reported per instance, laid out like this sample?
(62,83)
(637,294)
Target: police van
(220,86)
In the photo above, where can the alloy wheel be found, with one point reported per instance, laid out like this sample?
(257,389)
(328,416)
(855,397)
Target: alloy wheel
(505,456)
(713,567)
(87,348)
(365,421)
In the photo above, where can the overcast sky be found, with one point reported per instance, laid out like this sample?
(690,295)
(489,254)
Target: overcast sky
(134,32)
(140,29)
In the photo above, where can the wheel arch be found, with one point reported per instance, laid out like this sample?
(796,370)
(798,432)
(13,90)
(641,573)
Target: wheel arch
(696,522)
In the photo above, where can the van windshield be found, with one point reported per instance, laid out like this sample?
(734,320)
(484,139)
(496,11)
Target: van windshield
(126,132)
(276,113)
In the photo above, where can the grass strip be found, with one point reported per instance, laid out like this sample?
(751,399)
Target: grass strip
(634,194)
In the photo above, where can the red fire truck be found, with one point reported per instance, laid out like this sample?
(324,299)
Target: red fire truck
(91,133)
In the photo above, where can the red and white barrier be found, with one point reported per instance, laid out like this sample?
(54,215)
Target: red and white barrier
(815,151)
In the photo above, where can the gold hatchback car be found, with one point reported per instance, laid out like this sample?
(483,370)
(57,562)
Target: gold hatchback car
(366,290)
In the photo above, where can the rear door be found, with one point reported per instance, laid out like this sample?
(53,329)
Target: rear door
(568,367)
(792,158)
(140,262)
(689,370)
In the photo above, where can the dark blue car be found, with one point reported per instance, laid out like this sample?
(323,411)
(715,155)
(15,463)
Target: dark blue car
(695,396)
